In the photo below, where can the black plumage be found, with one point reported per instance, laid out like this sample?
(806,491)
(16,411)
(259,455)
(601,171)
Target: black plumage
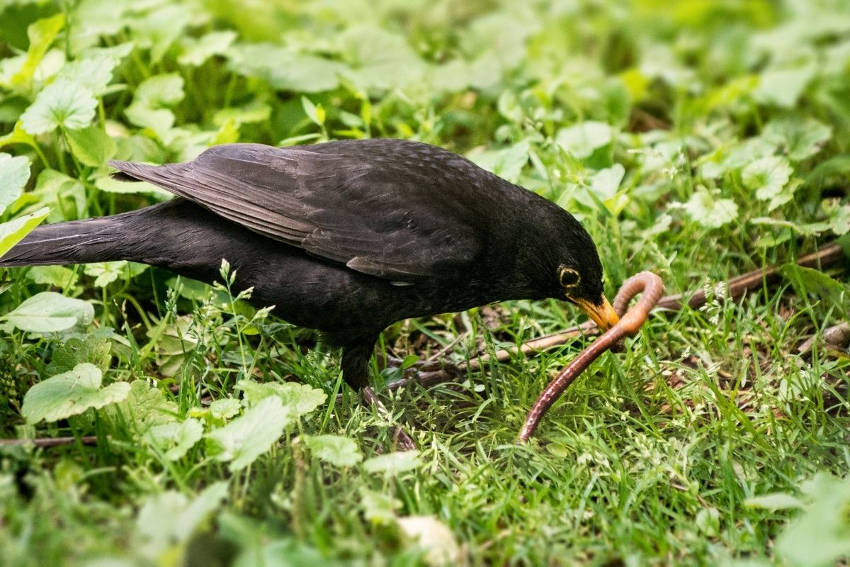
(345,237)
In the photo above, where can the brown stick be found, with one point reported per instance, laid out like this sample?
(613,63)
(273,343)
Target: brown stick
(631,321)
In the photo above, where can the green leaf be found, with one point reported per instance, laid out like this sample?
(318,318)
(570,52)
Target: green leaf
(783,87)
(334,449)
(93,72)
(107,272)
(820,536)
(300,399)
(13,231)
(70,393)
(506,163)
(92,145)
(581,140)
(41,34)
(14,174)
(111,185)
(196,51)
(284,69)
(17,136)
(225,408)
(57,276)
(48,312)
(167,521)
(799,138)
(316,113)
(768,177)
(810,281)
(378,508)
(145,407)
(63,103)
(709,211)
(149,102)
(392,464)
(250,113)
(247,437)
(176,438)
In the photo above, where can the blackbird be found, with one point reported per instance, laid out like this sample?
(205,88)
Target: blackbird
(345,237)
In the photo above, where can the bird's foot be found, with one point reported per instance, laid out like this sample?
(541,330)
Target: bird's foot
(402,440)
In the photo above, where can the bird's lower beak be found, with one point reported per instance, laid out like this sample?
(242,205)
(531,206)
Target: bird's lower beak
(602,314)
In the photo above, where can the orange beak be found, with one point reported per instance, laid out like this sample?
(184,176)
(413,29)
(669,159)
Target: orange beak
(603,314)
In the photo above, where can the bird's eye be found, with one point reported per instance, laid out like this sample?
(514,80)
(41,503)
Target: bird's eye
(569,277)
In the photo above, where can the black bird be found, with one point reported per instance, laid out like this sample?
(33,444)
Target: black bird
(346,237)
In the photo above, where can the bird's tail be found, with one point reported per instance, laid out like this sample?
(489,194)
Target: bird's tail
(74,242)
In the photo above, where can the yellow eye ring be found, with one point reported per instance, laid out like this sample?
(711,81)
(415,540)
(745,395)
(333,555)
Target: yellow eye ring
(568,277)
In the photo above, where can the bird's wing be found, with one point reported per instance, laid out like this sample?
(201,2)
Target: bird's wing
(395,216)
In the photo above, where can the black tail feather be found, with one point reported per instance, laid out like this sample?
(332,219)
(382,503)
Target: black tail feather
(75,242)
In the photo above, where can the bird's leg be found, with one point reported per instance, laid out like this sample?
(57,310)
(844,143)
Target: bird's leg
(402,439)
(355,361)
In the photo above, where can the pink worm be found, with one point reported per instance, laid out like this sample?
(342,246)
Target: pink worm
(652,288)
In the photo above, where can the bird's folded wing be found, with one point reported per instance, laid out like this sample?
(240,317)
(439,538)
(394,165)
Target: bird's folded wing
(373,216)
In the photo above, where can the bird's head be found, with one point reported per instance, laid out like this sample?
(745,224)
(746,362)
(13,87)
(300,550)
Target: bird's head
(582,285)
(567,265)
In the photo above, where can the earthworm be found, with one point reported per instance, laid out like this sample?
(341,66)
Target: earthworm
(630,321)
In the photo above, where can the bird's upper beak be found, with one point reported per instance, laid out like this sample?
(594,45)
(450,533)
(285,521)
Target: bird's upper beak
(602,314)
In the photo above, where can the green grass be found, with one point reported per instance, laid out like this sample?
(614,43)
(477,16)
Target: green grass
(699,140)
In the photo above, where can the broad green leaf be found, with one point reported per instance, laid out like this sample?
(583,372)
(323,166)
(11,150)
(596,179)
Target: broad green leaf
(810,281)
(92,145)
(820,536)
(145,407)
(159,28)
(107,272)
(225,408)
(506,163)
(196,51)
(17,136)
(783,87)
(284,69)
(14,174)
(111,185)
(798,138)
(385,59)
(93,72)
(174,439)
(63,103)
(253,112)
(41,34)
(378,507)
(167,521)
(57,276)
(149,102)
(768,177)
(70,393)
(301,399)
(49,312)
(393,463)
(709,211)
(244,439)
(334,449)
(581,140)
(65,194)
(15,230)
